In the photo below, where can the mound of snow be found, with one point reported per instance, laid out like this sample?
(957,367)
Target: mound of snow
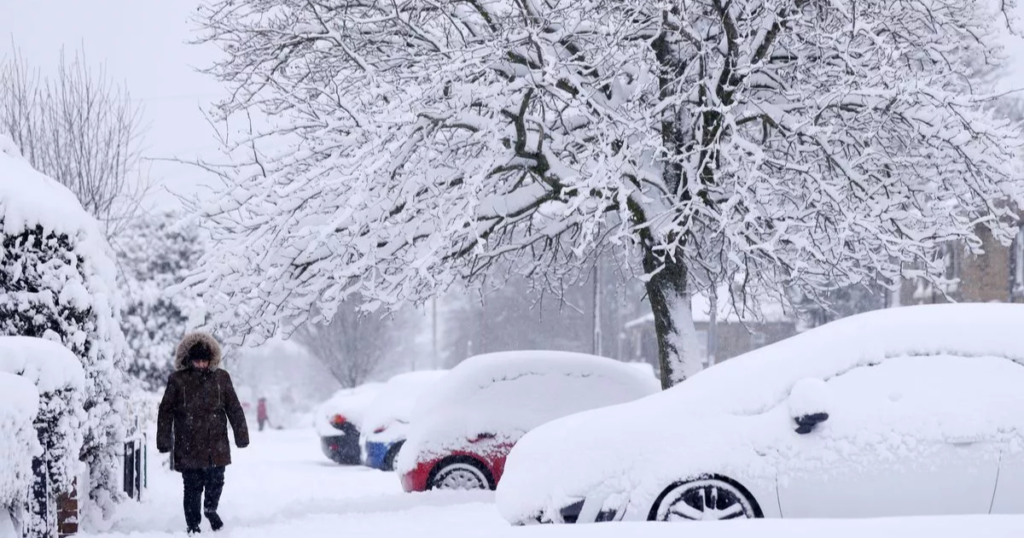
(507,394)
(49,365)
(19,404)
(29,198)
(393,407)
(352,404)
(895,383)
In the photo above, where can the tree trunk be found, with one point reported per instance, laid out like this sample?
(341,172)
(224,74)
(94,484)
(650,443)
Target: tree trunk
(678,345)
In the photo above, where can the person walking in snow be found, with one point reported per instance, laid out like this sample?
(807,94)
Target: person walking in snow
(261,413)
(197,406)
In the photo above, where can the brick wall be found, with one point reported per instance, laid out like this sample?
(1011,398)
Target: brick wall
(67,512)
(984,278)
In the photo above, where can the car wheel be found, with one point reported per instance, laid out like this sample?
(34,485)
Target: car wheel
(460,474)
(392,455)
(706,499)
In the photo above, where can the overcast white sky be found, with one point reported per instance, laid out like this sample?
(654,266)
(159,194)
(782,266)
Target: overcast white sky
(143,42)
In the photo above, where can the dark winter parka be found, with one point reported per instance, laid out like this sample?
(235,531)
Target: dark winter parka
(196,408)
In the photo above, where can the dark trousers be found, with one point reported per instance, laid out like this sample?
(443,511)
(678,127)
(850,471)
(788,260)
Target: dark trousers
(196,481)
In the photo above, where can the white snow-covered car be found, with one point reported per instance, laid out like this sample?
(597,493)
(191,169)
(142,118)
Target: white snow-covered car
(387,419)
(465,425)
(907,411)
(339,420)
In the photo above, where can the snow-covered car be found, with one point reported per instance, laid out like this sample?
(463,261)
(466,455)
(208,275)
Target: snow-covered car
(465,425)
(907,411)
(338,421)
(387,419)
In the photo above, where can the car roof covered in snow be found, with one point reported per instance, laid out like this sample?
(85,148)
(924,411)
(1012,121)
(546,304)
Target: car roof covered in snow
(49,365)
(474,377)
(972,330)
(507,394)
(351,403)
(396,400)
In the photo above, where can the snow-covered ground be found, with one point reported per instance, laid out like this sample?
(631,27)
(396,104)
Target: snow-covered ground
(283,487)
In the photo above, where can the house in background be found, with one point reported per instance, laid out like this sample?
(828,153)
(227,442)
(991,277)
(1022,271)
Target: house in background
(734,332)
(995,276)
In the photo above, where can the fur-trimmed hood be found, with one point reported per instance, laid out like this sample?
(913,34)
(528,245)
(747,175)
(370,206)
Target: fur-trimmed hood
(192,339)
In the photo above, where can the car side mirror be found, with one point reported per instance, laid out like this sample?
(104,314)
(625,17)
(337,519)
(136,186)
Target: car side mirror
(805,424)
(809,403)
(482,436)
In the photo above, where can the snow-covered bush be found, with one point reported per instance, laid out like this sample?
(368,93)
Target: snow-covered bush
(155,253)
(60,382)
(19,403)
(58,282)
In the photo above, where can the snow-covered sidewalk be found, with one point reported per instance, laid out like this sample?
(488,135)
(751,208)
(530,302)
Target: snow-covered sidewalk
(283,487)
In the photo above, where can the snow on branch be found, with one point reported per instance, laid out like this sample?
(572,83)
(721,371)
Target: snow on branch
(789,144)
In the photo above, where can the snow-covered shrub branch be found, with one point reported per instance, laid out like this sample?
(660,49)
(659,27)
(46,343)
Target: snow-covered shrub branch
(793,145)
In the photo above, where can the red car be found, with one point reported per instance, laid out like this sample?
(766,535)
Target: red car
(468,422)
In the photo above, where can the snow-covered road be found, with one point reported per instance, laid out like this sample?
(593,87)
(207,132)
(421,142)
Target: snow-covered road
(282,487)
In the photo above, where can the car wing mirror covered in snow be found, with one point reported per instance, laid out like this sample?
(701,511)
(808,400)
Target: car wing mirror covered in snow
(806,423)
(481,436)
(809,404)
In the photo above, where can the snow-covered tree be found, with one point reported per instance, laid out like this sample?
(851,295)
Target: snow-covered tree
(79,127)
(352,347)
(58,282)
(156,252)
(790,144)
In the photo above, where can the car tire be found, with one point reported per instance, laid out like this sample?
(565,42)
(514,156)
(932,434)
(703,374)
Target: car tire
(392,455)
(706,498)
(461,473)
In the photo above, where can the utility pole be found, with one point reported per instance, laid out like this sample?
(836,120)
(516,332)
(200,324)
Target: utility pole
(597,308)
(433,322)
(712,343)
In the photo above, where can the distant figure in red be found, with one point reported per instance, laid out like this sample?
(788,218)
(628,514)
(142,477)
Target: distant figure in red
(261,413)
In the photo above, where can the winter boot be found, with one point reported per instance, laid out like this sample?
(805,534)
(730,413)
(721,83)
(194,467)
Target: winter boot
(193,530)
(215,522)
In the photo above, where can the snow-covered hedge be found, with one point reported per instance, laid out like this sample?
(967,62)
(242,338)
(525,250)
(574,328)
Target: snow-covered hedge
(19,403)
(60,381)
(58,282)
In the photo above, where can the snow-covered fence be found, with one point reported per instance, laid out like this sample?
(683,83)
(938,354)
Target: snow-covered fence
(135,453)
(59,382)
